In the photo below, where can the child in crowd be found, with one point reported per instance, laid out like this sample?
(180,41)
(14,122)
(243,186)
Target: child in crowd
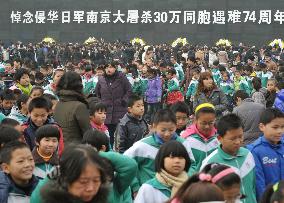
(265,74)
(258,92)
(22,81)
(51,88)
(181,110)
(173,91)
(38,111)
(40,80)
(145,150)
(227,86)
(268,150)
(89,81)
(140,84)
(44,154)
(132,127)
(271,92)
(98,117)
(230,134)
(192,85)
(16,178)
(201,136)
(274,193)
(80,177)
(19,111)
(153,94)
(226,179)
(53,102)
(178,68)
(171,163)
(216,72)
(121,171)
(16,125)
(249,74)
(100,70)
(7,101)
(36,92)
(240,82)
(8,134)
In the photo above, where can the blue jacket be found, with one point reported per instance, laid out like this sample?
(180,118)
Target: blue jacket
(279,101)
(269,162)
(8,189)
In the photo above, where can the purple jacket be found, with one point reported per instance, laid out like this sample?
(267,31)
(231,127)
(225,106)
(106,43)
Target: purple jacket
(114,93)
(154,90)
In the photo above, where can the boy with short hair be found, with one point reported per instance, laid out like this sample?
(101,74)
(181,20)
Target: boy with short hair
(268,150)
(240,82)
(230,134)
(19,111)
(16,125)
(192,87)
(181,110)
(22,81)
(132,127)
(7,101)
(44,154)
(98,117)
(38,111)
(8,134)
(16,178)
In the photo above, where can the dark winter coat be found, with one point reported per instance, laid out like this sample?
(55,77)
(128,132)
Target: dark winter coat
(217,98)
(114,92)
(72,114)
(130,130)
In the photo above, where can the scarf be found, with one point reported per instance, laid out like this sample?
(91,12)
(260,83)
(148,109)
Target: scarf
(171,181)
(25,90)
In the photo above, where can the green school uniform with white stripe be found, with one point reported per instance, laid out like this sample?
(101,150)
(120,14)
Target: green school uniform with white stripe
(243,164)
(153,191)
(191,90)
(249,81)
(144,152)
(89,85)
(241,84)
(200,150)
(265,77)
(216,76)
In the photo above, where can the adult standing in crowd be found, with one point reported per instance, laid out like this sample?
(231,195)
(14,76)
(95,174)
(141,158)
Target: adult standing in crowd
(71,112)
(208,92)
(249,111)
(113,89)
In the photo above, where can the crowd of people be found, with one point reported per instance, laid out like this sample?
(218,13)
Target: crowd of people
(115,122)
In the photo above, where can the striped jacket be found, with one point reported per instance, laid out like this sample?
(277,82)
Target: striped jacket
(243,164)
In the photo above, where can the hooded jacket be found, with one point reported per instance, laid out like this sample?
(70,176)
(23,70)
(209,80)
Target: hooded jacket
(201,146)
(269,161)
